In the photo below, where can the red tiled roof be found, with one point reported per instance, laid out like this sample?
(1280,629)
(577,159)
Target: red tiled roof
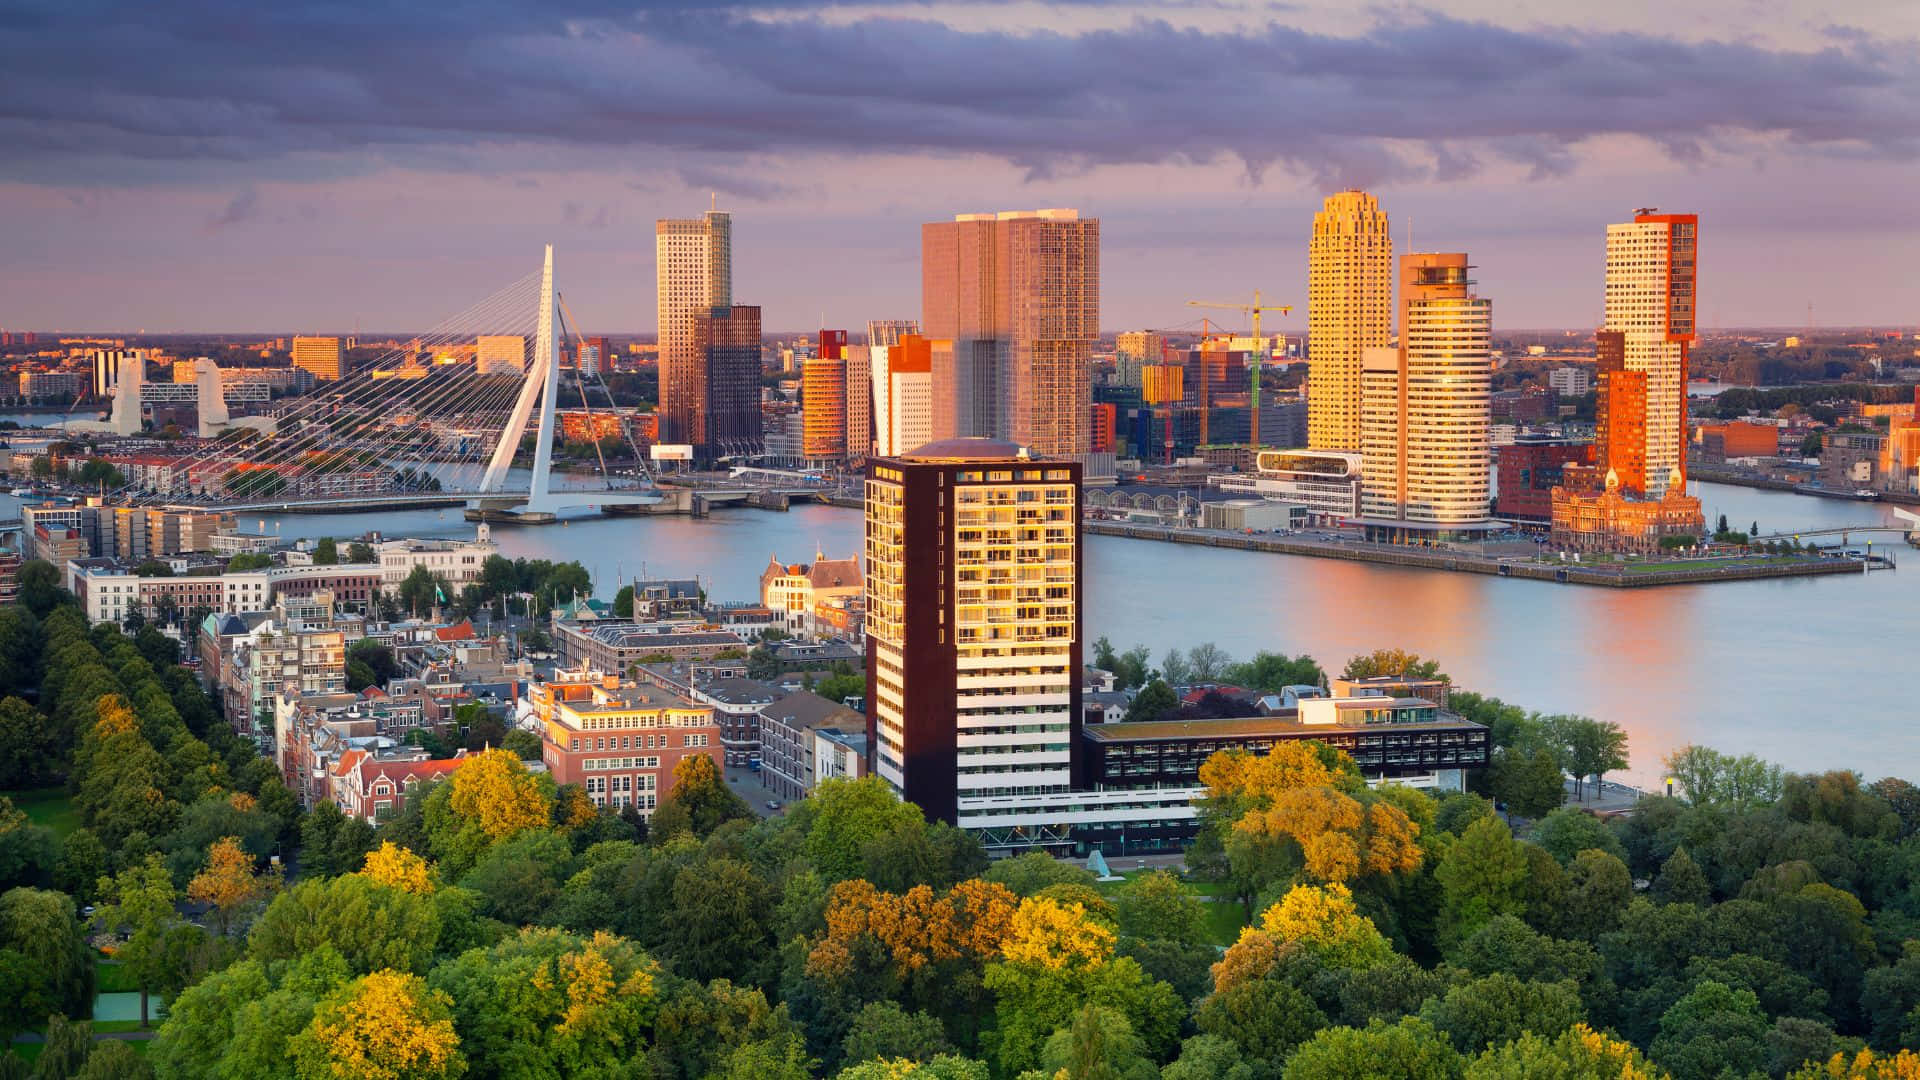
(460,631)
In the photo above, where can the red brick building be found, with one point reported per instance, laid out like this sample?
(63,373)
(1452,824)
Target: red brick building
(373,790)
(619,741)
(1530,470)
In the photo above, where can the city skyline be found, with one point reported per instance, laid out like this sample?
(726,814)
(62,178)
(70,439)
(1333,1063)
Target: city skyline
(344,191)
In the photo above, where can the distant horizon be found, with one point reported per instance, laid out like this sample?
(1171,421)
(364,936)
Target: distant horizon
(649,336)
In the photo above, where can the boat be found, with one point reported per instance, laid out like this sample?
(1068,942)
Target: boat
(1860,494)
(21,493)
(1864,494)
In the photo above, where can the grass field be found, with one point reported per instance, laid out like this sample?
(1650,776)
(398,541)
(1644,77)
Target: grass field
(51,807)
(1225,919)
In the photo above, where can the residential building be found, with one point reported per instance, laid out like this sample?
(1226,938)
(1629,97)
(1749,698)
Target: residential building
(498,354)
(839,754)
(10,561)
(1651,302)
(794,590)
(725,417)
(1012,301)
(51,386)
(320,357)
(1425,410)
(1737,439)
(1101,427)
(737,703)
(902,395)
(374,786)
(859,361)
(973,628)
(1133,350)
(619,741)
(1570,381)
(694,272)
(1850,460)
(1349,310)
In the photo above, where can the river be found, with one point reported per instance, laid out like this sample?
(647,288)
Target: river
(1814,673)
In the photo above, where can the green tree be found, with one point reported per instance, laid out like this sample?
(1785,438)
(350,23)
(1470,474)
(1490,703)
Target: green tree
(1266,1018)
(1713,1031)
(40,591)
(45,964)
(699,802)
(1157,906)
(25,746)
(1578,1054)
(1131,667)
(1594,749)
(1269,672)
(1530,784)
(249,560)
(1409,1050)
(1496,1009)
(326,552)
(1599,887)
(842,816)
(140,904)
(883,1030)
(623,603)
(1706,777)
(718,926)
(944,1067)
(1568,831)
(1681,881)
(1100,1044)
(1481,876)
(1031,871)
(1208,662)
(1174,669)
(1154,701)
(419,591)
(369,925)
(153,568)
(360,552)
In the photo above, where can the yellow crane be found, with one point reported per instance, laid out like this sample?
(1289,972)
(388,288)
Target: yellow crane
(1252,310)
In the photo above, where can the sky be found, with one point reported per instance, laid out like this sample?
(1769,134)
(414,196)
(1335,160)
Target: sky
(340,165)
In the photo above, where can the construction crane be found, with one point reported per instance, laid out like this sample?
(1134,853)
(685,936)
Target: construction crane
(1252,310)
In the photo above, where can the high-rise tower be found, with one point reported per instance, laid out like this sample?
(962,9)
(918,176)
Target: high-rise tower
(973,630)
(1427,408)
(1012,301)
(1652,263)
(1349,310)
(694,268)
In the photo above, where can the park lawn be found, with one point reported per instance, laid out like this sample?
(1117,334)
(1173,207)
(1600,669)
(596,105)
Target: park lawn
(51,807)
(1700,564)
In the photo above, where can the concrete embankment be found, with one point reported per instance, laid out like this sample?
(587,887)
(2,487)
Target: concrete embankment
(1630,576)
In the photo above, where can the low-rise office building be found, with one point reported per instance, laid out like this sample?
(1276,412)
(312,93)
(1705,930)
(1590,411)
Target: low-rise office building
(790,732)
(619,645)
(619,741)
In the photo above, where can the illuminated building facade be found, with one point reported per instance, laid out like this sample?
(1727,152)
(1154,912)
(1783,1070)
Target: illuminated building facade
(1349,310)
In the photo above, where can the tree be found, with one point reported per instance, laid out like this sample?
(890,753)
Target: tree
(1864,1065)
(1599,887)
(1594,748)
(1265,1018)
(397,868)
(1496,1009)
(1712,1031)
(39,586)
(1174,670)
(699,801)
(370,926)
(46,967)
(623,603)
(883,1030)
(360,552)
(1029,872)
(377,659)
(845,815)
(1393,663)
(1530,784)
(943,1067)
(1157,906)
(1579,1053)
(1681,882)
(1568,831)
(140,903)
(25,743)
(494,791)
(1208,662)
(1706,777)
(1409,1050)
(1131,667)
(1099,1045)
(326,552)
(419,591)
(1481,876)
(1154,701)
(228,882)
(249,560)
(385,1026)
(153,568)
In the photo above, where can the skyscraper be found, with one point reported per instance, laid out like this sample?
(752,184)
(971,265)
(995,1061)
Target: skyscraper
(1133,350)
(724,415)
(902,396)
(1349,310)
(823,399)
(1426,409)
(1620,417)
(106,369)
(694,272)
(320,357)
(890,331)
(1651,272)
(973,629)
(1012,302)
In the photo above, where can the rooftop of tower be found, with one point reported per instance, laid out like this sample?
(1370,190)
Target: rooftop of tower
(969,448)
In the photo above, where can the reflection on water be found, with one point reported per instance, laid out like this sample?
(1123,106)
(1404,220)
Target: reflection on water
(1813,673)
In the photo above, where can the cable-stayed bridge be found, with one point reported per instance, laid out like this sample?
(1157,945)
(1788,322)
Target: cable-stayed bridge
(421,425)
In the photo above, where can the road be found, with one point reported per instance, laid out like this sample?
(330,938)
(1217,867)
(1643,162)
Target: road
(746,784)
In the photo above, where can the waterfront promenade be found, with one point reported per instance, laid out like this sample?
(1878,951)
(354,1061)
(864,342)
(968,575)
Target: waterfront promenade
(1629,574)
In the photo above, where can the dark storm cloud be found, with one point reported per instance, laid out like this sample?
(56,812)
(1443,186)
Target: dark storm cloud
(1425,96)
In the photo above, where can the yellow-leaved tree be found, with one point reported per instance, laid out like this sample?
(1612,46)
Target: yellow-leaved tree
(1321,919)
(495,791)
(1053,935)
(228,882)
(915,927)
(398,868)
(1865,1065)
(383,1026)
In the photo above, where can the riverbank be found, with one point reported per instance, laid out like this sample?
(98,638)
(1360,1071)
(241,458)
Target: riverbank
(1737,477)
(1617,575)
